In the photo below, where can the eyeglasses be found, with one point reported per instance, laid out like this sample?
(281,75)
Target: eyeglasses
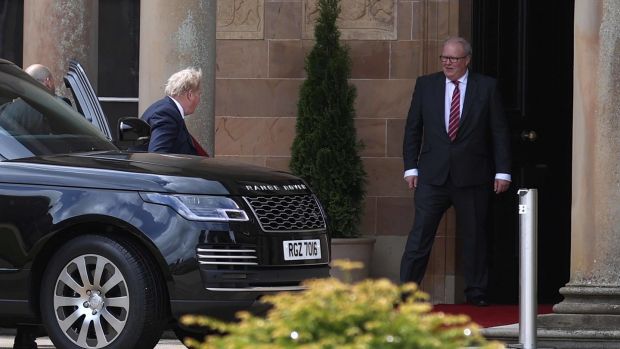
(446,59)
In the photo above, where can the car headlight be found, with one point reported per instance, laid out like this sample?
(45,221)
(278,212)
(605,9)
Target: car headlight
(199,207)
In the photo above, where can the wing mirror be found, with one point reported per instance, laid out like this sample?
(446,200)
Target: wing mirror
(133,130)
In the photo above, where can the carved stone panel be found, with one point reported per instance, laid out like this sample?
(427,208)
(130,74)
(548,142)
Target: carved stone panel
(359,19)
(240,19)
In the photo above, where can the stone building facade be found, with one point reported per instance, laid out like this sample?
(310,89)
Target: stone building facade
(258,76)
(249,105)
(253,85)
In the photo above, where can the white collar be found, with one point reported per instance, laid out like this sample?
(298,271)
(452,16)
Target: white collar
(462,79)
(178,107)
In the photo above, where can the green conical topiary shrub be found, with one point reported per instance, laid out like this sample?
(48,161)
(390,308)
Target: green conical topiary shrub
(325,150)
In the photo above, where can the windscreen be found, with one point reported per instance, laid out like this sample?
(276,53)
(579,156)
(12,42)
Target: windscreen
(34,122)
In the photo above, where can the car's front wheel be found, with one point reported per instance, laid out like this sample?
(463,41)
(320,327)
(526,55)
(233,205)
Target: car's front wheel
(102,293)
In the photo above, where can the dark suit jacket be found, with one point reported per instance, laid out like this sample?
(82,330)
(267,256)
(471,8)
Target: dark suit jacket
(482,145)
(168,131)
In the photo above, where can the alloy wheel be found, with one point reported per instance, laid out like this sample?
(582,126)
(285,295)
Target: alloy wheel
(91,301)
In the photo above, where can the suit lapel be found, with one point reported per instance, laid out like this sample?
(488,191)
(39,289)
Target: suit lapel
(470,94)
(440,98)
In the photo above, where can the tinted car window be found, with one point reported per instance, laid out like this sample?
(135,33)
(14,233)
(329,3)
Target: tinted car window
(34,123)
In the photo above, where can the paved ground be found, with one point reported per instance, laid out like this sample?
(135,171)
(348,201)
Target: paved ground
(6,342)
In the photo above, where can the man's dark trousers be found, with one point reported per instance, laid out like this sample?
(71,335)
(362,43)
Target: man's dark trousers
(472,205)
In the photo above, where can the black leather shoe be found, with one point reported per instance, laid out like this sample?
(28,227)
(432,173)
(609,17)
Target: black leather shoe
(479,301)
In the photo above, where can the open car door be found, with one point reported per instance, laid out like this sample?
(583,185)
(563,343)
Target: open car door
(132,133)
(85,98)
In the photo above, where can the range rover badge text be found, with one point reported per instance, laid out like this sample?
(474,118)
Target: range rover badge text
(276,187)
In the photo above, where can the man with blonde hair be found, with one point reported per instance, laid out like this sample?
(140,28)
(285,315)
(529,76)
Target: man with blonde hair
(168,131)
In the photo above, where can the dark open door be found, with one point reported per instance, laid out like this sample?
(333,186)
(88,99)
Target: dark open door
(528,46)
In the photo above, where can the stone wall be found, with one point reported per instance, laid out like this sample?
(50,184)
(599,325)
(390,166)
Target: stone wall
(261,48)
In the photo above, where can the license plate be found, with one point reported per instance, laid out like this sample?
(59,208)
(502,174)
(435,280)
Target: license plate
(301,249)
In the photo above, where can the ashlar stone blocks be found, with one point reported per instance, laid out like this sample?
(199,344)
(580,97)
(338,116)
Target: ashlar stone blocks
(359,19)
(240,19)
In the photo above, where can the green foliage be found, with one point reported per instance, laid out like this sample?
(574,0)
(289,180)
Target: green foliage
(325,149)
(372,314)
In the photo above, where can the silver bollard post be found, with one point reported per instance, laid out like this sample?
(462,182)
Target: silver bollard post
(528,231)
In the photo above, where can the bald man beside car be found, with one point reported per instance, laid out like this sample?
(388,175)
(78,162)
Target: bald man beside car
(43,75)
(19,117)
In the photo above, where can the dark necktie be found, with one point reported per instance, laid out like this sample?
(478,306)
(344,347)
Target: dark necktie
(455,106)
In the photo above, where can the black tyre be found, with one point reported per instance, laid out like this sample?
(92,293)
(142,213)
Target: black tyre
(102,293)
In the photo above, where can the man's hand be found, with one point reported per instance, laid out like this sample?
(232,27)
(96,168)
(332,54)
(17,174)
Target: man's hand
(501,186)
(412,181)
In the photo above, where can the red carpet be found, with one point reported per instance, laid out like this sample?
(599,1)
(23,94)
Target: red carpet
(493,315)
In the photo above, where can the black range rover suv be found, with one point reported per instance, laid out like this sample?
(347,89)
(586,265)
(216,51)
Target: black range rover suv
(106,248)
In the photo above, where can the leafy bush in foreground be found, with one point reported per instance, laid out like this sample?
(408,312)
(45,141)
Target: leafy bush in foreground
(372,314)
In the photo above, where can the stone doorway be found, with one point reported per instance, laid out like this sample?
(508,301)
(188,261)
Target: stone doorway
(528,46)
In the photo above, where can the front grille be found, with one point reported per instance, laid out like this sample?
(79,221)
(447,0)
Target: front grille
(226,256)
(287,213)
